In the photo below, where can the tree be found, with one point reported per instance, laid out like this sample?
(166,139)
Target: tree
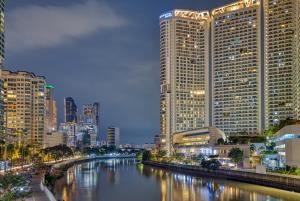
(212,164)
(146,155)
(7,182)
(236,155)
(198,158)
(221,141)
(161,154)
(179,156)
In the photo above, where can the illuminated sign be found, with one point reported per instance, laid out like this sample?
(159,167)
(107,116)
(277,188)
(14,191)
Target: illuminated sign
(166,15)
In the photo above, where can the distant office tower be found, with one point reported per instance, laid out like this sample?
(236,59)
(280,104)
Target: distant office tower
(91,113)
(113,137)
(1,107)
(24,103)
(51,110)
(236,67)
(184,63)
(69,129)
(70,110)
(1,33)
(90,121)
(281,22)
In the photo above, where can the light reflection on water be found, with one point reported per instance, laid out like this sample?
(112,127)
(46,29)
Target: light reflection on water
(124,180)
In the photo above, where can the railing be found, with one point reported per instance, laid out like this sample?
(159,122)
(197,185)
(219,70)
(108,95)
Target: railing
(271,180)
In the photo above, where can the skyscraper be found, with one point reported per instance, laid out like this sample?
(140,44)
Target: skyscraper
(1,107)
(90,121)
(51,110)
(24,101)
(91,113)
(236,67)
(1,33)
(296,61)
(113,137)
(70,110)
(184,62)
(280,23)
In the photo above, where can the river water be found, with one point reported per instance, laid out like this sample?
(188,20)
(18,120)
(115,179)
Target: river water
(125,180)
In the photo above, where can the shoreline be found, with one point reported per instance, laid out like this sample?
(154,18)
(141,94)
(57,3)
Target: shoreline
(275,181)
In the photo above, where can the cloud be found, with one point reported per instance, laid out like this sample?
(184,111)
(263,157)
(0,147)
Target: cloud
(33,27)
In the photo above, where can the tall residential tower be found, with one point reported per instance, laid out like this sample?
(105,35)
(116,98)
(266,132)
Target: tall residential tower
(236,67)
(280,22)
(24,103)
(184,63)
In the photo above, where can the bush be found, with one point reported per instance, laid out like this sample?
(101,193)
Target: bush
(211,164)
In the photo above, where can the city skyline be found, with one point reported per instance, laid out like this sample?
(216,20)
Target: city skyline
(135,90)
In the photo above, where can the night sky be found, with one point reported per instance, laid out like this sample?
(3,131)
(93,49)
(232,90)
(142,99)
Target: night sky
(103,51)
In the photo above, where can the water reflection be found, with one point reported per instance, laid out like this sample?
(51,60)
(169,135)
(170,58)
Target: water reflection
(125,180)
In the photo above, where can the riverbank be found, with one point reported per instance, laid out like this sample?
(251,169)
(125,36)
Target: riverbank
(270,180)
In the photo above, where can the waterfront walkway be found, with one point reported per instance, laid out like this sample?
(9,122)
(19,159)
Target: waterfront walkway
(37,193)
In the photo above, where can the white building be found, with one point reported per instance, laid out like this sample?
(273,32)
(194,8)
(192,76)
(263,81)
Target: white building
(236,67)
(184,62)
(288,145)
(280,31)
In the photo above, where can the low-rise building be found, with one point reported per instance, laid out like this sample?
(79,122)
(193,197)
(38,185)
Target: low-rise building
(208,142)
(53,139)
(287,142)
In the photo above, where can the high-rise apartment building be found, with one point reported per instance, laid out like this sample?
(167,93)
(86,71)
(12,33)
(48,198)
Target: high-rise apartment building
(2,132)
(280,22)
(1,33)
(184,63)
(24,103)
(296,60)
(113,137)
(51,109)
(236,67)
(70,110)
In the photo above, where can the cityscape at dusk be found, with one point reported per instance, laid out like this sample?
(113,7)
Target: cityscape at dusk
(150,100)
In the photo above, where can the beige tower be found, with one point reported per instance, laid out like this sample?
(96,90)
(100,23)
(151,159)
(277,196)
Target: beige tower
(184,61)
(236,67)
(24,103)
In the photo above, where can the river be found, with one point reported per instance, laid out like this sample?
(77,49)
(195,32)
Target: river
(125,180)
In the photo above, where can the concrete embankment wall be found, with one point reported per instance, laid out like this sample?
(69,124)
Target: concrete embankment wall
(276,181)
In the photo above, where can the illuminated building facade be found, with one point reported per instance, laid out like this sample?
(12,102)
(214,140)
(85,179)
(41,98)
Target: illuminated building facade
(1,107)
(24,103)
(184,63)
(70,110)
(236,67)
(51,109)
(90,118)
(296,60)
(113,137)
(1,33)
(280,23)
